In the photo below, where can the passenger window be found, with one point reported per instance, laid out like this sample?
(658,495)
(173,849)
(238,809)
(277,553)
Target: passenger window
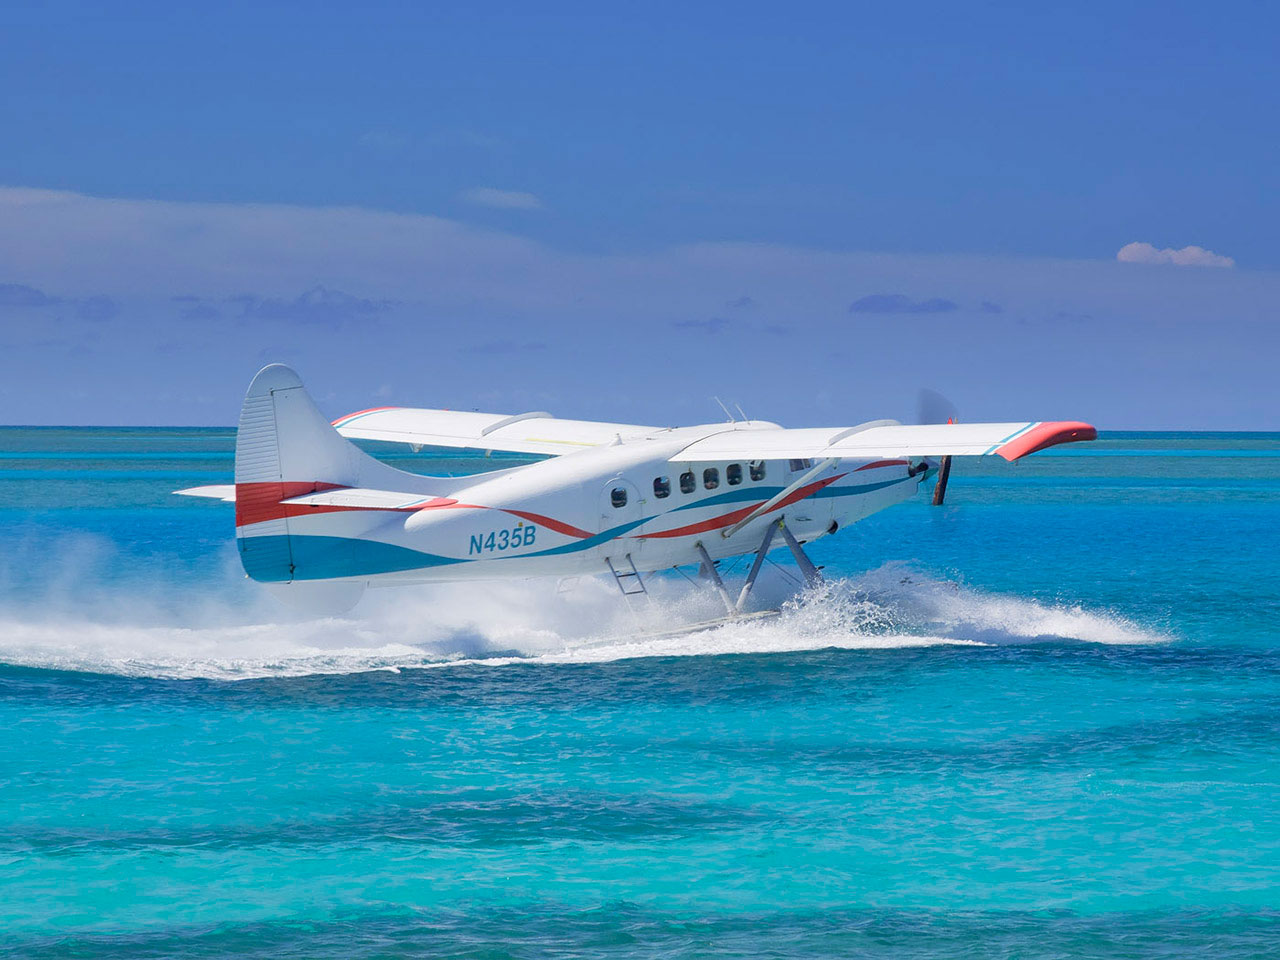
(711,478)
(797,465)
(662,486)
(757,469)
(618,496)
(733,474)
(687,482)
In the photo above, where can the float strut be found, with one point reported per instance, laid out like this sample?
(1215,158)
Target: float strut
(714,575)
(755,567)
(811,575)
(940,489)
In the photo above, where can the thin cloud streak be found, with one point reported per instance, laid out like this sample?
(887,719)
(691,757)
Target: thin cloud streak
(1191,256)
(901,303)
(357,297)
(501,199)
(20,295)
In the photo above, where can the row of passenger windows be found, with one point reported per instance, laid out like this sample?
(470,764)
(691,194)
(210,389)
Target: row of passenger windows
(710,479)
(689,481)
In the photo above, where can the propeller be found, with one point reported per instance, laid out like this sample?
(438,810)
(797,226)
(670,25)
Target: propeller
(933,407)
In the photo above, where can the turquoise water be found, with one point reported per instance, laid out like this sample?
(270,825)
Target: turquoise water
(1042,721)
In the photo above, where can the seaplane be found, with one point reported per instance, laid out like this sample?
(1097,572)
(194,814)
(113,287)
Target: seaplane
(613,499)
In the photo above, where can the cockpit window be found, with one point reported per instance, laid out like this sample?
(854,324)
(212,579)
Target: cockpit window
(797,465)
(711,478)
(662,487)
(688,483)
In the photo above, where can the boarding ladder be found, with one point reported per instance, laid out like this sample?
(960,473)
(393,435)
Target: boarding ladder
(620,577)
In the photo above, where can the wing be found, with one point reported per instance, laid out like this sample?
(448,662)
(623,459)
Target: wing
(537,432)
(886,439)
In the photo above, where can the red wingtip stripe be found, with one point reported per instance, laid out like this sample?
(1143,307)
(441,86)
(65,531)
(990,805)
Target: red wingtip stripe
(1047,435)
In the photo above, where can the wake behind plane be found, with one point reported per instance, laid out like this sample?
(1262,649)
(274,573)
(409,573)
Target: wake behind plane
(615,499)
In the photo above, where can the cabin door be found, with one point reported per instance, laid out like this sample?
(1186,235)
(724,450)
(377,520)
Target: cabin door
(620,511)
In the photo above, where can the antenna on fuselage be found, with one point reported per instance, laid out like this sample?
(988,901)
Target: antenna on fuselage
(740,410)
(725,409)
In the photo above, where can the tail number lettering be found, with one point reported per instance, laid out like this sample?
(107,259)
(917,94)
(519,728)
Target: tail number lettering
(498,540)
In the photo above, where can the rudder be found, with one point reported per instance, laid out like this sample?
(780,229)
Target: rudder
(286,448)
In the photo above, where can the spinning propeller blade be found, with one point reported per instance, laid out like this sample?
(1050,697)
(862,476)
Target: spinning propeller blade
(933,407)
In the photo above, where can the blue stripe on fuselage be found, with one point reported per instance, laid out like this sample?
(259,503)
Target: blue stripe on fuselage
(327,558)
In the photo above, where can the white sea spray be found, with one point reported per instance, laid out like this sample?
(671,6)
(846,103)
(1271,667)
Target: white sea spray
(150,632)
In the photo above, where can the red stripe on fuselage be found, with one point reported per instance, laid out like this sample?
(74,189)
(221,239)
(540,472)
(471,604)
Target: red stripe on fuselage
(259,502)
(559,526)
(568,529)
(728,519)
(884,463)
(715,523)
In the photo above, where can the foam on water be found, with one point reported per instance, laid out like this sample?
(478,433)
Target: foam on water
(504,623)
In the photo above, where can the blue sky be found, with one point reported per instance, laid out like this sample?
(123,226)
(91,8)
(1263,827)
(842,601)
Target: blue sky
(811,208)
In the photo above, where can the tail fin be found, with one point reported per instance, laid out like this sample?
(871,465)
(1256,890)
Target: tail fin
(285,448)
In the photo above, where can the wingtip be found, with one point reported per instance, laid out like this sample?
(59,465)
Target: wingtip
(1048,434)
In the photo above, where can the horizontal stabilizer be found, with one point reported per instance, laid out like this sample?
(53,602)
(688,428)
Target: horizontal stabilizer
(362,498)
(216,491)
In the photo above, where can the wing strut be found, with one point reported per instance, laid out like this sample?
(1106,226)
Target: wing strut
(940,490)
(780,496)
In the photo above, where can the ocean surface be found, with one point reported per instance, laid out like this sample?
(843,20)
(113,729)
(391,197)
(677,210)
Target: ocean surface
(1041,721)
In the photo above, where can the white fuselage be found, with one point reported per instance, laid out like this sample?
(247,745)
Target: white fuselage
(575,514)
(311,506)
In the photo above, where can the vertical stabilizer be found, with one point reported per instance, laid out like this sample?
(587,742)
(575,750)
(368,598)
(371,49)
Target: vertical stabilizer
(285,448)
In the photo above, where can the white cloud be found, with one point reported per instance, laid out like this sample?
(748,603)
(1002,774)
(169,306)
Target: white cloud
(431,302)
(71,246)
(1186,257)
(501,199)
